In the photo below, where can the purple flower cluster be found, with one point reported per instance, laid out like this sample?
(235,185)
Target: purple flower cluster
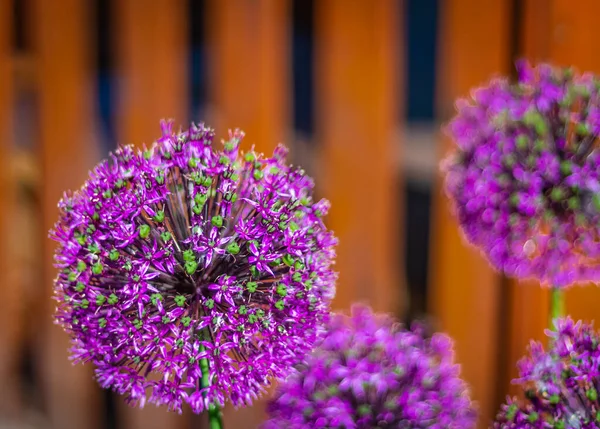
(181,255)
(561,385)
(368,372)
(525,178)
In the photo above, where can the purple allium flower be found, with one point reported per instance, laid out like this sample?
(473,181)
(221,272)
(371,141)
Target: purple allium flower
(561,384)
(180,252)
(525,178)
(368,372)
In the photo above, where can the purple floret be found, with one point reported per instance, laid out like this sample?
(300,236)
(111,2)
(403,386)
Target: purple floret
(369,372)
(524,180)
(561,384)
(181,255)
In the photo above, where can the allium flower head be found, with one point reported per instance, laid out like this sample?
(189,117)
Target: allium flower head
(525,178)
(368,372)
(561,384)
(181,252)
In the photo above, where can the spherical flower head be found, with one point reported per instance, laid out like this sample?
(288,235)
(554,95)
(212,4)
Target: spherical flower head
(561,384)
(524,180)
(181,255)
(367,372)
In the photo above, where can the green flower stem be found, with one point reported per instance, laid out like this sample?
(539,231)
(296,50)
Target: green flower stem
(557,304)
(214,412)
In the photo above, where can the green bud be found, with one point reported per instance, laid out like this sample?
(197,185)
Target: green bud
(180,300)
(100,299)
(582,129)
(191,267)
(592,394)
(522,141)
(166,319)
(533,417)
(297,277)
(511,412)
(188,255)
(193,163)
(288,259)
(159,216)
(281,290)
(93,248)
(574,203)
(566,168)
(253,271)
(155,297)
(81,266)
(223,160)
(258,174)
(280,305)
(97,268)
(242,310)
(557,194)
(233,248)
(217,221)
(251,286)
(113,299)
(200,199)
(144,231)
(186,320)
(80,287)
(113,255)
(364,410)
(102,322)
(210,303)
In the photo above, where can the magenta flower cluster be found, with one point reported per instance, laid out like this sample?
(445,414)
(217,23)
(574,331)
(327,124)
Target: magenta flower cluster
(190,274)
(525,178)
(368,372)
(561,384)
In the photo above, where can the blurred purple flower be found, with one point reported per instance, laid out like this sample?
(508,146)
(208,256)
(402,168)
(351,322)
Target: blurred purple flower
(525,178)
(179,254)
(561,385)
(368,372)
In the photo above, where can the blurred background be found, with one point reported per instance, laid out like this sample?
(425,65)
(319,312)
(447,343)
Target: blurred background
(357,88)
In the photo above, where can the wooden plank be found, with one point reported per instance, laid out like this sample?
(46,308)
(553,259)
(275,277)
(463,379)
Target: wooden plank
(152,58)
(357,91)
(572,43)
(528,302)
(464,291)
(150,44)
(560,35)
(249,46)
(63,45)
(10,303)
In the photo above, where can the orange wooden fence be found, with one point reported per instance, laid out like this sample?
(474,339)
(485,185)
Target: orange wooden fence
(358,73)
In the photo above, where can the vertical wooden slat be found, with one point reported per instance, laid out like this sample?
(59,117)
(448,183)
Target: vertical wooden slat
(9,305)
(571,42)
(152,58)
(150,44)
(63,45)
(561,35)
(249,55)
(464,291)
(357,50)
(528,303)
